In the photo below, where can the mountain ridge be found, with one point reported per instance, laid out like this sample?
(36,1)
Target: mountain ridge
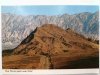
(44,46)
(17,27)
(52,39)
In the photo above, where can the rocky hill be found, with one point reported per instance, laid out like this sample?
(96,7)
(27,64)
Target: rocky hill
(15,28)
(48,44)
(51,39)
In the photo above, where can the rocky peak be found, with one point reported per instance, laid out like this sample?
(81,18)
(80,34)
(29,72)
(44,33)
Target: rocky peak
(49,39)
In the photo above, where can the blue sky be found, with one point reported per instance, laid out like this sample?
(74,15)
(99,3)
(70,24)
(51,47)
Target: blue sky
(49,9)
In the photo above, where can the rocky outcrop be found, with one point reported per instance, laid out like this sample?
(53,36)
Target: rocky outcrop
(50,40)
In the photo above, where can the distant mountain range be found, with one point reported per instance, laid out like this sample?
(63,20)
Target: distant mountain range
(15,28)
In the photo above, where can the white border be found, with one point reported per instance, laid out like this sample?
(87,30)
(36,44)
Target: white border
(0,44)
(50,2)
(46,2)
(45,72)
